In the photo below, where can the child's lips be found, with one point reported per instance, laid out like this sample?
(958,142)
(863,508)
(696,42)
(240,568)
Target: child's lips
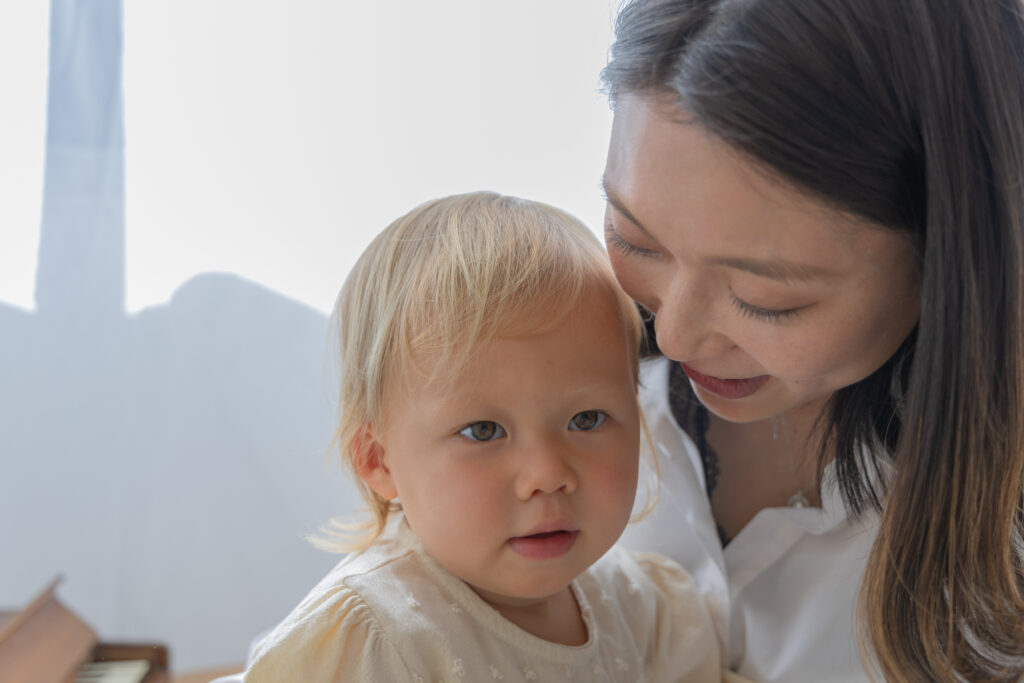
(544,545)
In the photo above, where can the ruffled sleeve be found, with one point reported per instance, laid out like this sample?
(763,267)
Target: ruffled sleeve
(331,637)
(661,603)
(685,645)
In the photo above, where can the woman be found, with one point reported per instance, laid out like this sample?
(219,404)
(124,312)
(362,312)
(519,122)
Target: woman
(822,205)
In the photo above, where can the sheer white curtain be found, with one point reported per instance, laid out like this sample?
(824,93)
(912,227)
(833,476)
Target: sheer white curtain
(165,399)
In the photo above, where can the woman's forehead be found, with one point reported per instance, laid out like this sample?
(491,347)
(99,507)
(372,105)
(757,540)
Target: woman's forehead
(691,192)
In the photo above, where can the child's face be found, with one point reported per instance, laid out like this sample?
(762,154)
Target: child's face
(522,473)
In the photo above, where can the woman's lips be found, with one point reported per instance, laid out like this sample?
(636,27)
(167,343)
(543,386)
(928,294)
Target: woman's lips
(726,388)
(544,546)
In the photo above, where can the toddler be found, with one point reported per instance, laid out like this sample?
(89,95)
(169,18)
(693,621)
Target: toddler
(488,410)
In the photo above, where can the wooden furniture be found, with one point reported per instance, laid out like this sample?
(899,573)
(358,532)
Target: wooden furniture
(48,643)
(207,675)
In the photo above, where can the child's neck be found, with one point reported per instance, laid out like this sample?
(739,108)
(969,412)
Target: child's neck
(556,618)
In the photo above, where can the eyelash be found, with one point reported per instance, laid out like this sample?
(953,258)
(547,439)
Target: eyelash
(749,310)
(600,418)
(765,314)
(615,239)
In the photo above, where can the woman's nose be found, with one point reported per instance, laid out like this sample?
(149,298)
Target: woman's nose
(685,324)
(545,467)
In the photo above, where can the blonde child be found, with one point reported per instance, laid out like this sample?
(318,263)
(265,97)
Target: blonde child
(488,410)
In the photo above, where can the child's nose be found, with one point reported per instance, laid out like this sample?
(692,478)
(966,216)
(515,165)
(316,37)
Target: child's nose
(544,468)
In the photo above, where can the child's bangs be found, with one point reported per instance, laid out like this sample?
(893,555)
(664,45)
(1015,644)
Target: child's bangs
(444,330)
(486,266)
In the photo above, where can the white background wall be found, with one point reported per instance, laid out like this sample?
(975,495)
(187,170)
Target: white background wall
(166,457)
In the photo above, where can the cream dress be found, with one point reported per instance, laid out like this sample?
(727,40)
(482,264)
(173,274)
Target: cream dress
(393,614)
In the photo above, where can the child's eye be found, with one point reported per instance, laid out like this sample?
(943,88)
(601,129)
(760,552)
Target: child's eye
(587,420)
(483,431)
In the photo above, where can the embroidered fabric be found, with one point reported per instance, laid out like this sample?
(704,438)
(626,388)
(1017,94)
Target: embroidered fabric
(386,614)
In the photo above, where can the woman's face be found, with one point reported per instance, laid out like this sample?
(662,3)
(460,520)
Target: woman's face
(771,300)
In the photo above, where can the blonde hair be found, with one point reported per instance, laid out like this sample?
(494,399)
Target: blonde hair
(442,279)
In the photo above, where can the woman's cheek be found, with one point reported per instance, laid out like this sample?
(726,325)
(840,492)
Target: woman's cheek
(620,267)
(638,280)
(796,357)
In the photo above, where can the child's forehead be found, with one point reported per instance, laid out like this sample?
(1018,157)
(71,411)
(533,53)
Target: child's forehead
(441,363)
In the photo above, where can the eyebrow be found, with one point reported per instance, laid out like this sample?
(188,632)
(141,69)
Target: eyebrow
(783,271)
(774,269)
(612,198)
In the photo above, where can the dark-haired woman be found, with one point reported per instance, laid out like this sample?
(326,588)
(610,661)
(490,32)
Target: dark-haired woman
(821,203)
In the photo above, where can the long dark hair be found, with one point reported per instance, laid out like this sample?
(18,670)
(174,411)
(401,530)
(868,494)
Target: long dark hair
(909,113)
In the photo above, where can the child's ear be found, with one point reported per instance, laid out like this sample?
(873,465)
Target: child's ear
(368,461)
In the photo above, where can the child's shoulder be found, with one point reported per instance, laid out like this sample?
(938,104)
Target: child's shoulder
(351,617)
(390,564)
(632,572)
(646,590)
(655,603)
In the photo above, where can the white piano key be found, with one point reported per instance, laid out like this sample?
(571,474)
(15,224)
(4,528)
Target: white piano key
(127,671)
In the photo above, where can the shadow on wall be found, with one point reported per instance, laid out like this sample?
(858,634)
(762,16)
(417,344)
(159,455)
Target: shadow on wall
(166,463)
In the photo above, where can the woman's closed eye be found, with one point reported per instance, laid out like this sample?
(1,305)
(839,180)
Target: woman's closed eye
(615,240)
(587,420)
(759,313)
(485,430)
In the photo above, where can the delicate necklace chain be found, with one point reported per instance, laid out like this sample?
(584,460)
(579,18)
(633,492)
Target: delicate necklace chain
(798,499)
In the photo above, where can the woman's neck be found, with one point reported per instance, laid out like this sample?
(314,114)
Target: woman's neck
(763,464)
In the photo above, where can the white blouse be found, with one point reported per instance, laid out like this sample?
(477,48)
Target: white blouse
(782,594)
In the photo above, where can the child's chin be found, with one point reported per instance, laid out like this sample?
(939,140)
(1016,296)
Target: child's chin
(521,594)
